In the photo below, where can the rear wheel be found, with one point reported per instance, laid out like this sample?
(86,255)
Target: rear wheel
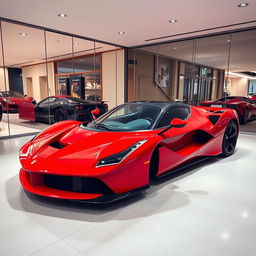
(229,139)
(245,117)
(60,115)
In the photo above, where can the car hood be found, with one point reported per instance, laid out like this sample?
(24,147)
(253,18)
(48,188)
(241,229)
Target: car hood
(19,100)
(74,149)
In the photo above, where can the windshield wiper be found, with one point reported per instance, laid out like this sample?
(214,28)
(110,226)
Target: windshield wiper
(100,125)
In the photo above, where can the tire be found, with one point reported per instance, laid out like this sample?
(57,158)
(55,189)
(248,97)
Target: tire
(59,115)
(230,139)
(245,117)
(154,164)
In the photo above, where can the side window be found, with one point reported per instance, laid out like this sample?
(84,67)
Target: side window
(171,113)
(47,101)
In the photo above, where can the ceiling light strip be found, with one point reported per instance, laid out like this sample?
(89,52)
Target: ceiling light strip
(240,75)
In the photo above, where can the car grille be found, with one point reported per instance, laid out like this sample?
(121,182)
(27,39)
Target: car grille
(77,184)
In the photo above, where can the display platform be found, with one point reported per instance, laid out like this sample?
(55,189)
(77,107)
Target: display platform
(18,126)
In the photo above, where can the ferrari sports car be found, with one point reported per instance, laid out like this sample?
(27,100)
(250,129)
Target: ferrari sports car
(62,107)
(11,100)
(122,151)
(245,108)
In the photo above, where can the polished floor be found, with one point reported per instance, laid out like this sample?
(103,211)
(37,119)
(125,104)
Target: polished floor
(208,211)
(12,125)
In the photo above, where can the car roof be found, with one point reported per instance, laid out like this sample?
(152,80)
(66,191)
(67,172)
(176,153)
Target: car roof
(162,104)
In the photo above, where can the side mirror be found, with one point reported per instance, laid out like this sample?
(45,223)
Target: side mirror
(176,122)
(95,112)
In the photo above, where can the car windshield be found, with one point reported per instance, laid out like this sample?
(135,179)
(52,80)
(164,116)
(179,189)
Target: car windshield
(128,117)
(11,94)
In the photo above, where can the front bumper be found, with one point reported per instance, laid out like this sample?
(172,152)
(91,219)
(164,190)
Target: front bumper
(39,184)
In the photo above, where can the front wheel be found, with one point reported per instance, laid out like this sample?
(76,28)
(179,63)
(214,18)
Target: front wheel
(230,139)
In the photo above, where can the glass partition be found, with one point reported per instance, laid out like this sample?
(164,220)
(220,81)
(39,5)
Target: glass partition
(198,71)
(23,48)
(57,76)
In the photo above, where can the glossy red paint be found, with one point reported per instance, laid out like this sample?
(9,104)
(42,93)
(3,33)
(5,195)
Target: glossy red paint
(13,103)
(245,108)
(81,149)
(27,112)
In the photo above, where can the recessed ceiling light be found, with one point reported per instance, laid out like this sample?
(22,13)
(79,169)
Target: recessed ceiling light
(228,41)
(62,15)
(121,33)
(172,21)
(174,48)
(23,34)
(76,44)
(243,5)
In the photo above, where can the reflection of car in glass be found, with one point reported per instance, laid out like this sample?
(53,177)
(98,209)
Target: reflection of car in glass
(245,108)
(122,151)
(11,100)
(59,108)
(1,111)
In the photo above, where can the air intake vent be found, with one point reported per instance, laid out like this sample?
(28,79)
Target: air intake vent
(57,144)
(214,119)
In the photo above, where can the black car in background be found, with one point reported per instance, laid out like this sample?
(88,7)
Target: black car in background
(61,107)
(1,111)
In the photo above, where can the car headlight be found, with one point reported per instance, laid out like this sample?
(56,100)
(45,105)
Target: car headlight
(8,101)
(119,157)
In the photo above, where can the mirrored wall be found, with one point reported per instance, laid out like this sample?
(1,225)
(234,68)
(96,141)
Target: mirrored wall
(47,77)
(206,70)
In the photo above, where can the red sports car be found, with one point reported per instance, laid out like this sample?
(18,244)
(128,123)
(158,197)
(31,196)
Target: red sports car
(245,108)
(121,152)
(11,100)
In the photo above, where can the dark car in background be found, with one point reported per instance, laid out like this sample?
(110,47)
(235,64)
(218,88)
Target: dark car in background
(62,107)
(245,108)
(1,111)
(11,100)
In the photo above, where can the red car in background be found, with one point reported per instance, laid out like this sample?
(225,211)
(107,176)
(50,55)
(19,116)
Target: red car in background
(245,107)
(11,100)
(252,98)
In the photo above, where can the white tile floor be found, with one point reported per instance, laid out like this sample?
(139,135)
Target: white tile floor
(209,211)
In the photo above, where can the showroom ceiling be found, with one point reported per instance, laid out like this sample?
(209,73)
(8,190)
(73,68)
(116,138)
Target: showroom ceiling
(141,20)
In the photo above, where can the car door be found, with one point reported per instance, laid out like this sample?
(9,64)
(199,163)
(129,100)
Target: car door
(44,108)
(173,139)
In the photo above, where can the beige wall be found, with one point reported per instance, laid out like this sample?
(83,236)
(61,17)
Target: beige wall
(4,85)
(113,77)
(36,73)
(145,88)
(238,86)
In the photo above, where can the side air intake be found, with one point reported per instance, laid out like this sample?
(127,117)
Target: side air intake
(214,118)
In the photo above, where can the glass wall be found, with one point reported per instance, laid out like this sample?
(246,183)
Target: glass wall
(196,70)
(47,77)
